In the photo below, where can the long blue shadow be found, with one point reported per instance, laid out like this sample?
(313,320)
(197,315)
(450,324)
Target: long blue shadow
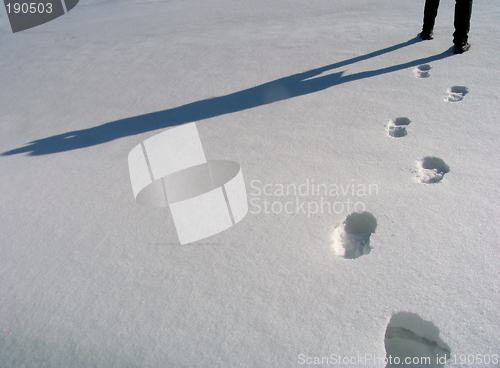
(277,90)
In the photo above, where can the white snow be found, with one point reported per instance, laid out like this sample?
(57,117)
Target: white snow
(298,93)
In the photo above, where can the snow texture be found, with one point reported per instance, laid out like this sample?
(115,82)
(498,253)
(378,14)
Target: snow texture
(295,92)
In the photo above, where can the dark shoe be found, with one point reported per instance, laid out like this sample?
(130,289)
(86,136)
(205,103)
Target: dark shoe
(426,35)
(461,48)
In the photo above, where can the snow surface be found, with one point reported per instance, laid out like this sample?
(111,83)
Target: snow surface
(297,93)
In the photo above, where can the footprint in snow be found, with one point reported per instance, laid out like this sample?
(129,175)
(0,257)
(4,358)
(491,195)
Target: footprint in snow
(422,71)
(456,93)
(397,128)
(410,339)
(351,239)
(432,169)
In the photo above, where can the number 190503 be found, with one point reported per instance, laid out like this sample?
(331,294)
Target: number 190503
(475,359)
(25,14)
(31,8)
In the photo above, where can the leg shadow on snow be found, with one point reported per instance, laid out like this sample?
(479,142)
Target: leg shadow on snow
(280,89)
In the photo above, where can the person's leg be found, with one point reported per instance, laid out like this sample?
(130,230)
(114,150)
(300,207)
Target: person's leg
(463,10)
(430,13)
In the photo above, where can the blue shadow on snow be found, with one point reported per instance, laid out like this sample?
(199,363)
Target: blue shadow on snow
(277,90)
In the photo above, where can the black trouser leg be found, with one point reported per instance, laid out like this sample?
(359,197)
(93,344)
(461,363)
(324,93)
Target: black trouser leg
(430,13)
(463,11)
